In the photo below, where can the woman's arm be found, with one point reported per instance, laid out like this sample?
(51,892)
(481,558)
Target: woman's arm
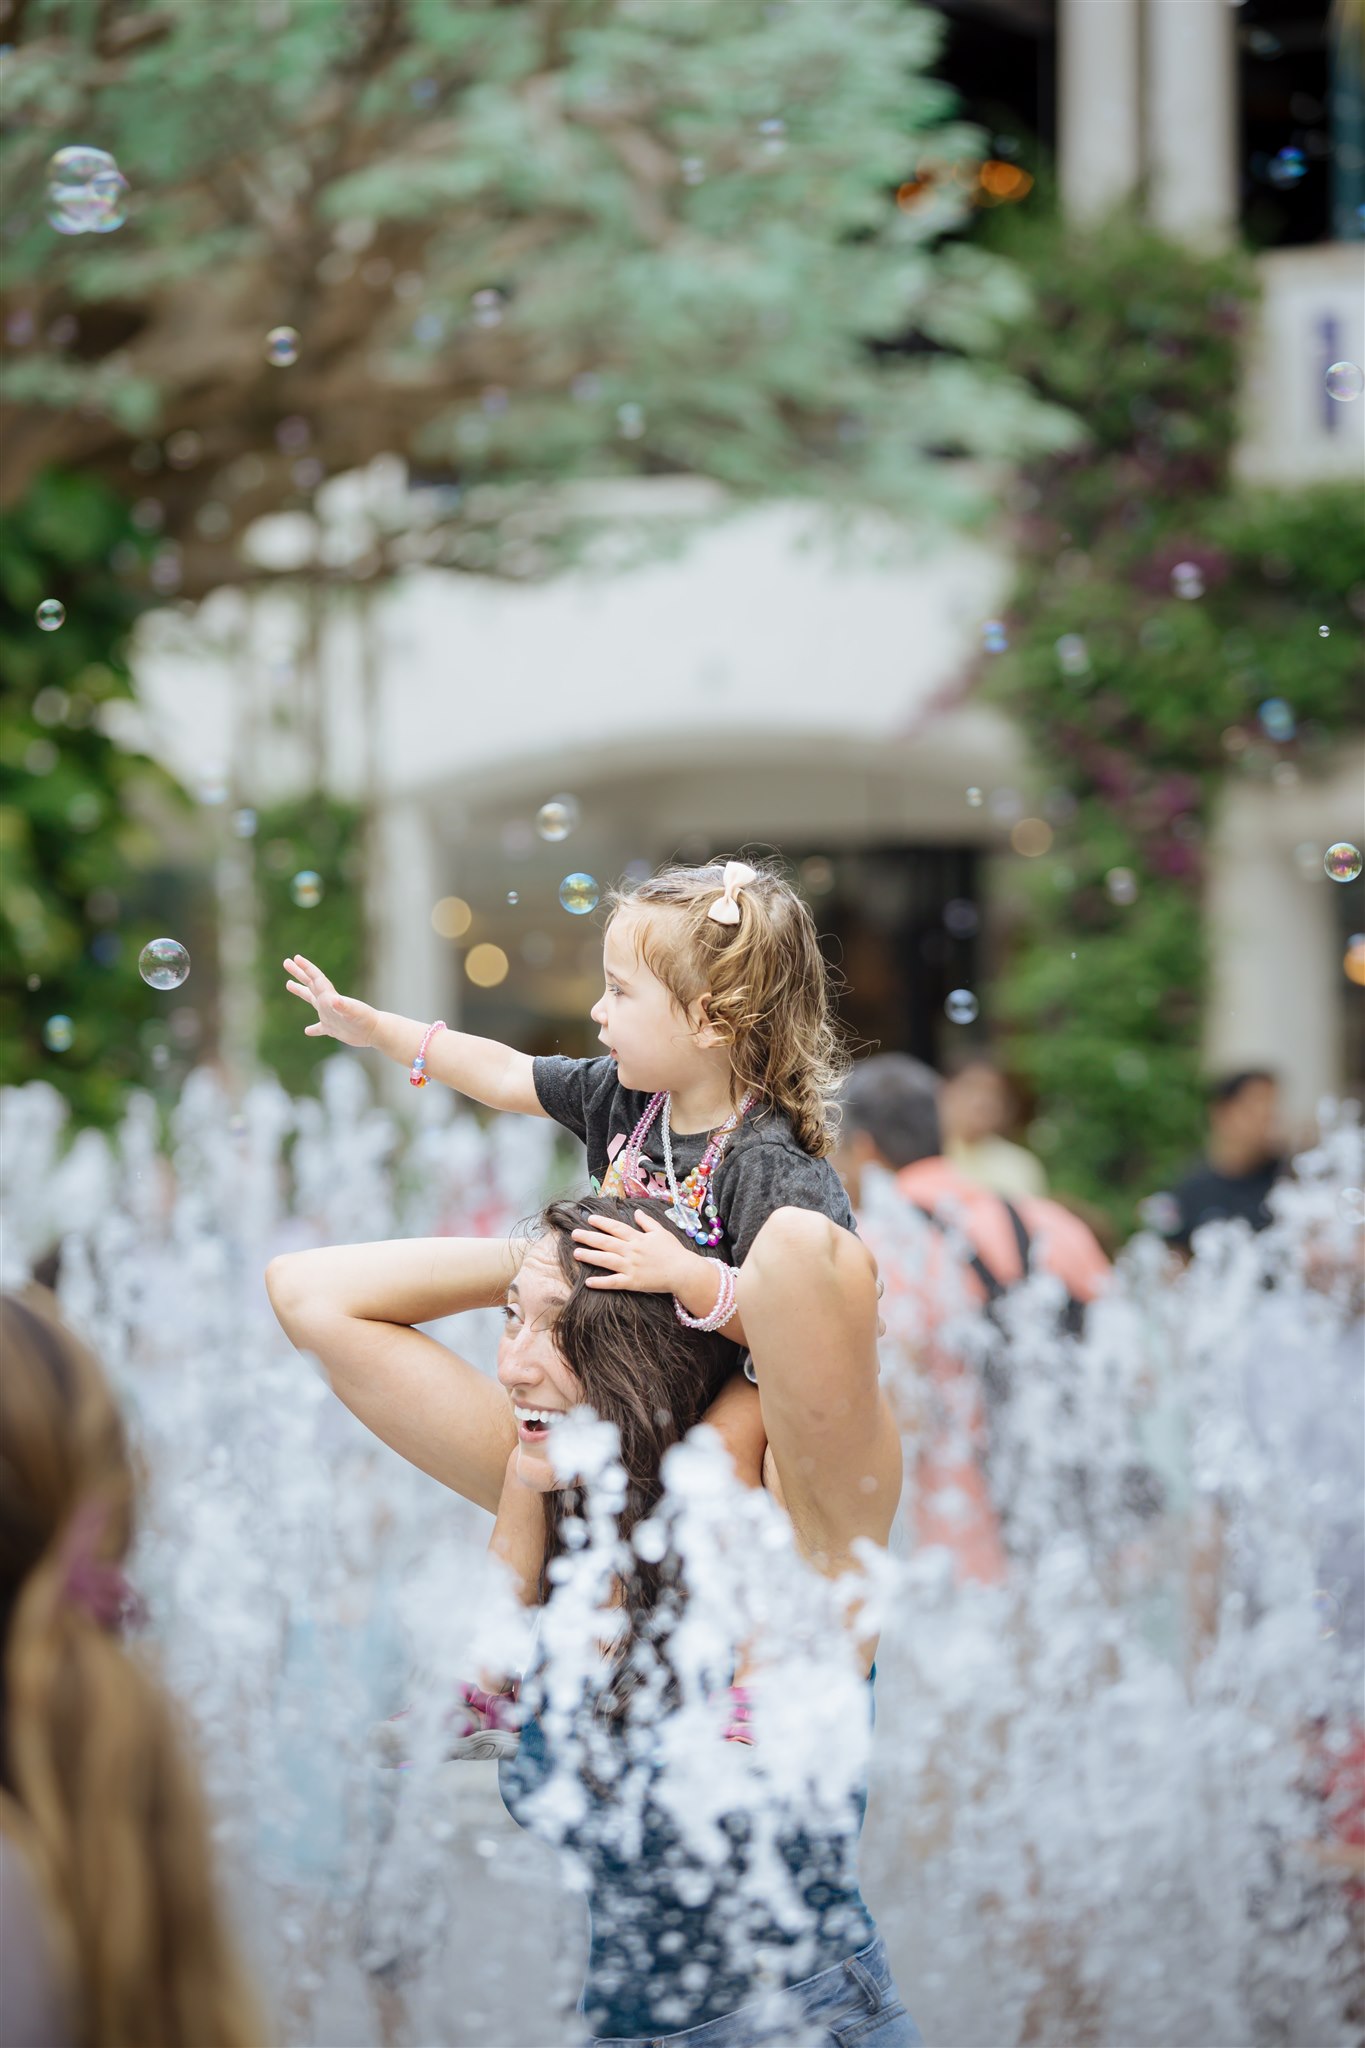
(353,1305)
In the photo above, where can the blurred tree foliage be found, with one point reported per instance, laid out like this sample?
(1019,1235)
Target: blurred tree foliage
(81,814)
(520,244)
(322,836)
(1161,606)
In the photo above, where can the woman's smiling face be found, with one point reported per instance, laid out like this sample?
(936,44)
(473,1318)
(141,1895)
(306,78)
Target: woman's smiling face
(540,1386)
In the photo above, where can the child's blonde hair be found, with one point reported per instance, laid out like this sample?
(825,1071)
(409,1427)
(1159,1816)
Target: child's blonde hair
(767,982)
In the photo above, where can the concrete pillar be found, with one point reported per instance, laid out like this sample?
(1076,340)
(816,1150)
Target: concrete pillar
(1099,103)
(412,970)
(1191,119)
(1274,949)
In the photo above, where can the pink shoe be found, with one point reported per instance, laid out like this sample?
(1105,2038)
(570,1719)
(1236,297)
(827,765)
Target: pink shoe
(483,1725)
(739,1727)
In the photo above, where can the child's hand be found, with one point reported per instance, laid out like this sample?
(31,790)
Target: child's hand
(341,1017)
(649,1260)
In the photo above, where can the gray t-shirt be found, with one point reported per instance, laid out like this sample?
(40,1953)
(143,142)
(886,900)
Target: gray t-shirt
(763,1167)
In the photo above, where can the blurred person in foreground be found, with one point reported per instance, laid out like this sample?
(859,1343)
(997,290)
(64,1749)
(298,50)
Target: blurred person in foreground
(1243,1160)
(977,1245)
(975,1107)
(111,1931)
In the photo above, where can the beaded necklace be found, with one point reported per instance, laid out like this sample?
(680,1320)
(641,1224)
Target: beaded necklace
(693,1205)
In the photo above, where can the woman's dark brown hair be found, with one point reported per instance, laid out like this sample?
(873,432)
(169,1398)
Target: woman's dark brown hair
(639,1368)
(96,1783)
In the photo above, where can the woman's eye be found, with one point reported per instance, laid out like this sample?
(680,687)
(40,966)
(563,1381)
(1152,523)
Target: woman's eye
(508,1312)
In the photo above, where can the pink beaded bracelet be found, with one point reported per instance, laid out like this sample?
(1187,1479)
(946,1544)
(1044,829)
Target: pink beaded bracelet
(418,1077)
(723,1310)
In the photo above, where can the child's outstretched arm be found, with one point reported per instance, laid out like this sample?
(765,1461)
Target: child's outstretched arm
(492,1073)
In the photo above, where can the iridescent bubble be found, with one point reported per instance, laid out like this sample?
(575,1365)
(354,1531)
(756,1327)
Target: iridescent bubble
(1277,720)
(512,896)
(1342,861)
(692,170)
(58,1033)
(244,823)
(50,614)
(579,894)
(556,819)
(1286,168)
(630,421)
(975,798)
(773,136)
(1187,580)
(487,307)
(282,347)
(994,638)
(961,1007)
(306,889)
(211,785)
(1345,381)
(1073,656)
(1324,632)
(163,963)
(1121,886)
(86,191)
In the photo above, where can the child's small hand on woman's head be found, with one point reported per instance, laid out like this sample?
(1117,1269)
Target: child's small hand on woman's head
(341,1017)
(645,1257)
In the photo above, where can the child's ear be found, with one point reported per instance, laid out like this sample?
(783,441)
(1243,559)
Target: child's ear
(708,1035)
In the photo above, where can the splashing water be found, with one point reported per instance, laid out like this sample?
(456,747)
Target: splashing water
(1096,1803)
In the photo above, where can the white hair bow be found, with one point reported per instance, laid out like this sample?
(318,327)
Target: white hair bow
(725,909)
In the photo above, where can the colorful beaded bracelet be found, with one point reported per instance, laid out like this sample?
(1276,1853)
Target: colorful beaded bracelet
(418,1077)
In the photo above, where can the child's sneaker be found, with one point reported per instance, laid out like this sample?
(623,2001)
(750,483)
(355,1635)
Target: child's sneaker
(483,1725)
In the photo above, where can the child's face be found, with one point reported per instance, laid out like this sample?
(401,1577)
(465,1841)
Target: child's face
(653,1043)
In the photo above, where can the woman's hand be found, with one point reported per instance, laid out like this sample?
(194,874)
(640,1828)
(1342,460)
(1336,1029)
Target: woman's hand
(340,1017)
(643,1260)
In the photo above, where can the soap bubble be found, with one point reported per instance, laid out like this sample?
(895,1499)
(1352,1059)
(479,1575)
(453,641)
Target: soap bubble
(306,889)
(1073,656)
(1342,861)
(488,306)
(1121,885)
(1345,381)
(244,823)
(512,896)
(1324,632)
(960,917)
(85,191)
(773,136)
(58,1032)
(1187,580)
(1286,168)
(282,347)
(50,614)
(692,170)
(579,894)
(556,819)
(630,421)
(1277,720)
(994,638)
(961,1007)
(975,798)
(163,963)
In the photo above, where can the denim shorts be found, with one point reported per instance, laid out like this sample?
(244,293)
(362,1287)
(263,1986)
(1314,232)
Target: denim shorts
(855,2004)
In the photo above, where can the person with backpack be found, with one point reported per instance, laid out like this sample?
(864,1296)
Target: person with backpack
(971,1248)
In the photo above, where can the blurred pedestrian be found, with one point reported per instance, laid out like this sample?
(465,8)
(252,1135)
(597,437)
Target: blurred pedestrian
(976,1245)
(111,1934)
(1243,1160)
(976,1107)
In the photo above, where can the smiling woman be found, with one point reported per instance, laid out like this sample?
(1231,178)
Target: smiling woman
(685,1940)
